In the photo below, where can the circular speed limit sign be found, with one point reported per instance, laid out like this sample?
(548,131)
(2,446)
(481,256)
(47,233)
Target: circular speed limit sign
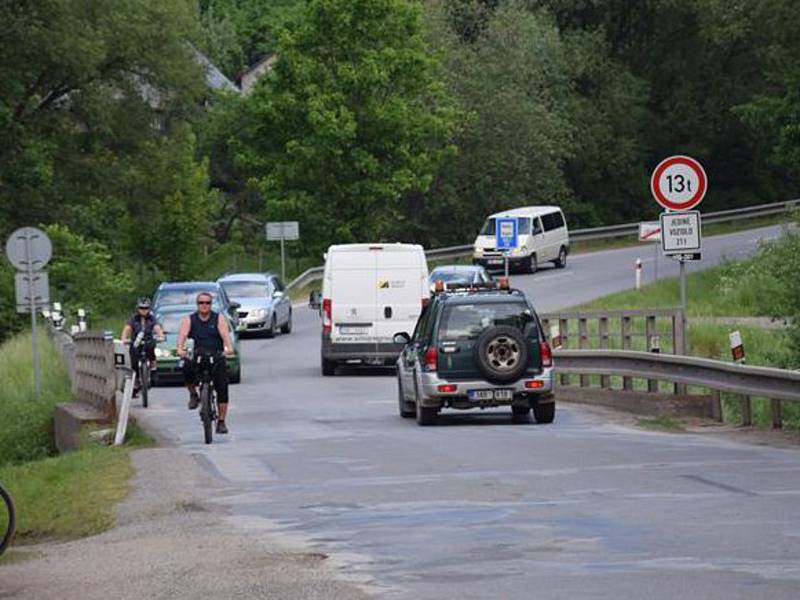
(678,183)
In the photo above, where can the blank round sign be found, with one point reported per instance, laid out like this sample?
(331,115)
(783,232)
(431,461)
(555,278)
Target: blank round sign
(29,247)
(679,183)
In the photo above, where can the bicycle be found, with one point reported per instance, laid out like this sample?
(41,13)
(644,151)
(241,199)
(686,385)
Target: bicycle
(208,398)
(8,521)
(143,369)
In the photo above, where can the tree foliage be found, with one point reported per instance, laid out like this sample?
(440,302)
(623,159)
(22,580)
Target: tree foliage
(352,117)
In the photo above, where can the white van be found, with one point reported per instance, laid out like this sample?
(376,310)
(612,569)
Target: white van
(369,293)
(542,237)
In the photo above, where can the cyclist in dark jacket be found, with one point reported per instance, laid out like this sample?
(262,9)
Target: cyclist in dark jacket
(142,321)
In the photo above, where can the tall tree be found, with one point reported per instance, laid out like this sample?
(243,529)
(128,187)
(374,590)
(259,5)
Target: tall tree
(352,117)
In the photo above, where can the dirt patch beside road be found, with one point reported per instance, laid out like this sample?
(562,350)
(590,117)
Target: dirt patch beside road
(170,542)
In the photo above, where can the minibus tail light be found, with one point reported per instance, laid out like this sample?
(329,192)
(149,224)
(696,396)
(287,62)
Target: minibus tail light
(327,316)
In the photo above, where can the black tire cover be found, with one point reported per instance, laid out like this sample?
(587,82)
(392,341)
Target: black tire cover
(487,369)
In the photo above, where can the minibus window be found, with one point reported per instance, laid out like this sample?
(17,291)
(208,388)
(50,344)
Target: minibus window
(488,227)
(524,226)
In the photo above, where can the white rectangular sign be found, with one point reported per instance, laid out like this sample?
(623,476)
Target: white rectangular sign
(680,232)
(283,230)
(36,289)
(650,231)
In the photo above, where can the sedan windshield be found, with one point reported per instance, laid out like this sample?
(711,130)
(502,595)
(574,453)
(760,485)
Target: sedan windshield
(171,323)
(468,321)
(176,297)
(452,276)
(246,289)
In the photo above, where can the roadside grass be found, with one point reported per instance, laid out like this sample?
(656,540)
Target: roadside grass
(56,497)
(27,432)
(729,290)
(72,495)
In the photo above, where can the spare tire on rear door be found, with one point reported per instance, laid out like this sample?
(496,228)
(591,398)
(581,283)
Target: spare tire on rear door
(501,354)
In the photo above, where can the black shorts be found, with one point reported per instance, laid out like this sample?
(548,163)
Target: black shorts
(219,375)
(149,351)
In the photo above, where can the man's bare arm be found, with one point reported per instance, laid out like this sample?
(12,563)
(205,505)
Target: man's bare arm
(183,332)
(222,325)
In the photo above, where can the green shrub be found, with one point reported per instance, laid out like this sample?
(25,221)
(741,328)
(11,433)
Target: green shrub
(27,433)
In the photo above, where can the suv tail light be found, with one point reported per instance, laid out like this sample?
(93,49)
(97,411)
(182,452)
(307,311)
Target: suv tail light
(545,354)
(327,316)
(432,359)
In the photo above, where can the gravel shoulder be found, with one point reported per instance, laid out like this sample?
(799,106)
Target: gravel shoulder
(172,541)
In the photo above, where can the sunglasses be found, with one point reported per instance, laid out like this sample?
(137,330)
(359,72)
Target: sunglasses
(203,302)
(143,307)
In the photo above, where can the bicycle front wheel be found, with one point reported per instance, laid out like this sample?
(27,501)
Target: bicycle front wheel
(8,522)
(144,381)
(206,414)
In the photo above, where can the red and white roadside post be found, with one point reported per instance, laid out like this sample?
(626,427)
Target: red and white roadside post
(679,184)
(737,347)
(637,269)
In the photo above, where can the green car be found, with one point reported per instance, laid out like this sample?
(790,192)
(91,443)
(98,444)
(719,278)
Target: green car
(169,364)
(476,347)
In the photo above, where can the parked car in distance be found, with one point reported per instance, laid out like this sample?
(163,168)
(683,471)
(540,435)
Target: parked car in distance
(184,293)
(263,303)
(169,368)
(369,292)
(542,237)
(458,275)
(476,347)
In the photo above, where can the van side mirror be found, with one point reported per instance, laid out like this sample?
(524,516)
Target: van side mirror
(402,339)
(315,300)
(235,305)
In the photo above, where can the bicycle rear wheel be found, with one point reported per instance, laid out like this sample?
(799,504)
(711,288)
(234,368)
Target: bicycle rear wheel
(144,381)
(206,414)
(8,520)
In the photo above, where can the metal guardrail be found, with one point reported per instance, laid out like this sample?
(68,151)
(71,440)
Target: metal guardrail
(592,233)
(763,382)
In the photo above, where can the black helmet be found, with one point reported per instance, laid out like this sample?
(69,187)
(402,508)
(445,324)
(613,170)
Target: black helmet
(143,302)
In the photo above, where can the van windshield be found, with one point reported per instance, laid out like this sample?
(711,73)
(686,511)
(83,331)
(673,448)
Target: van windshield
(467,321)
(523,226)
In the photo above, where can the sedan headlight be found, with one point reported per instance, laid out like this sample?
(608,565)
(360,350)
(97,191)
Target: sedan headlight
(258,313)
(163,352)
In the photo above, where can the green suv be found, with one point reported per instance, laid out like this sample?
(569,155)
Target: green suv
(476,347)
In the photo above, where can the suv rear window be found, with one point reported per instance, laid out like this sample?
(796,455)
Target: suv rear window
(467,321)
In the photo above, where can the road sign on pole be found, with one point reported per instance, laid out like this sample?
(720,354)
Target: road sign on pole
(33,290)
(650,231)
(283,230)
(679,183)
(506,236)
(680,232)
(29,250)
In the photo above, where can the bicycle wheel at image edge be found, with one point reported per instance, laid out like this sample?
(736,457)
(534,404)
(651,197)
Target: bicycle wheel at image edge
(205,413)
(7,519)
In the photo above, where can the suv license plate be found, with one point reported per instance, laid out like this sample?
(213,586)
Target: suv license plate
(490,394)
(495,261)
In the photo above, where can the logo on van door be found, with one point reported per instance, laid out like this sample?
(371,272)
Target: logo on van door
(385,284)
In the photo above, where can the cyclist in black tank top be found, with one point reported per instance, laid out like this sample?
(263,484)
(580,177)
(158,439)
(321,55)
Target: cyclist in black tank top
(210,333)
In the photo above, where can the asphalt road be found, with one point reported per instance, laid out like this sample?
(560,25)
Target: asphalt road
(480,508)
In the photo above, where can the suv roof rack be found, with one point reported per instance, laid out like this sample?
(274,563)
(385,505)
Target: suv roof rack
(494,287)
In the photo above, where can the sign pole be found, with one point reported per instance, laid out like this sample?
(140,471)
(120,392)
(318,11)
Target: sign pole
(684,304)
(655,264)
(283,260)
(37,378)
(505,262)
